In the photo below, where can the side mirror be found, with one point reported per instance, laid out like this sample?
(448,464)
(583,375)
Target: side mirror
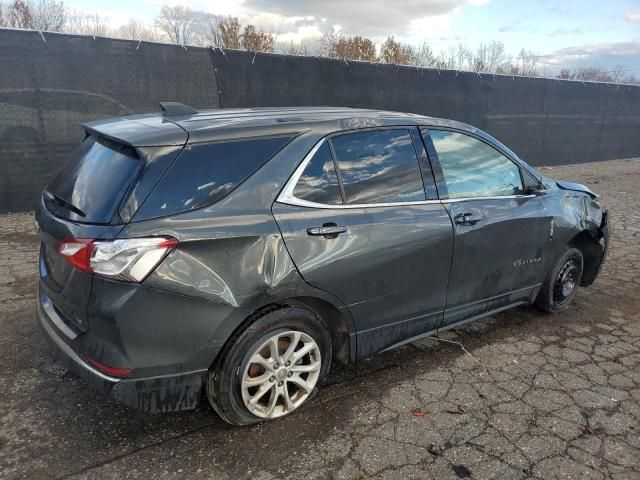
(537,190)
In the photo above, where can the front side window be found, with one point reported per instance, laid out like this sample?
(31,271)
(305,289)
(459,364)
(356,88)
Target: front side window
(378,166)
(319,182)
(471,168)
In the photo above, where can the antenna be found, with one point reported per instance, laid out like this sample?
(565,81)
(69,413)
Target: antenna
(175,109)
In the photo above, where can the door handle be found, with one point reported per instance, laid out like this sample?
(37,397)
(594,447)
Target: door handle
(467,219)
(328,230)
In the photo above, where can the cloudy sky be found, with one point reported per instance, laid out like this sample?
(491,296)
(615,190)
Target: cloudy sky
(568,32)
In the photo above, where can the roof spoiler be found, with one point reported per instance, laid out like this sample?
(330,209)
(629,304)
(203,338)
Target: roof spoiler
(175,109)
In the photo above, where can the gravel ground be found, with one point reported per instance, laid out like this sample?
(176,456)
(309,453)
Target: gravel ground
(559,398)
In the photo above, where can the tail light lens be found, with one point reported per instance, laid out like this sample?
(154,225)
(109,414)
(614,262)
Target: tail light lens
(77,252)
(130,259)
(106,369)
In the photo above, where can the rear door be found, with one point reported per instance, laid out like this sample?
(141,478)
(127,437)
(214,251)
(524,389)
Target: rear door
(501,232)
(357,223)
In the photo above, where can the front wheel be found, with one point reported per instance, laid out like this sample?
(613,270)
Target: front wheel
(562,282)
(272,367)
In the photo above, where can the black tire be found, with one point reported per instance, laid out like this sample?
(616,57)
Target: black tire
(224,380)
(556,295)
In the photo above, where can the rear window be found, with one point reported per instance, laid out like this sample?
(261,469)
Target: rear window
(92,183)
(204,173)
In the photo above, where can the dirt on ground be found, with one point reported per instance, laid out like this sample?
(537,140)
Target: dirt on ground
(540,396)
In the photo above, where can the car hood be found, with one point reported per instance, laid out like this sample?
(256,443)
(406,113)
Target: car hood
(576,187)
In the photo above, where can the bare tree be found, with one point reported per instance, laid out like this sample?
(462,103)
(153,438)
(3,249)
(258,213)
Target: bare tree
(565,74)
(307,47)
(177,23)
(134,30)
(617,73)
(326,43)
(597,74)
(93,24)
(526,64)
(490,58)
(456,57)
(208,30)
(291,48)
(424,56)
(48,15)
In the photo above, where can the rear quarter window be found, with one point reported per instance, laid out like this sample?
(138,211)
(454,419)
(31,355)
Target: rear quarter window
(205,173)
(319,181)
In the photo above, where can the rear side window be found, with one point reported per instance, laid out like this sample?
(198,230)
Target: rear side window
(319,182)
(205,173)
(92,183)
(378,166)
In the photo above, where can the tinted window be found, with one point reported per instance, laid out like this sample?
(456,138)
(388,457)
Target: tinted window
(472,168)
(319,182)
(205,173)
(94,180)
(378,166)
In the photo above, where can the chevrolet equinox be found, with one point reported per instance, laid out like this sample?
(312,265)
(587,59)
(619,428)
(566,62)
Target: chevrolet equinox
(243,250)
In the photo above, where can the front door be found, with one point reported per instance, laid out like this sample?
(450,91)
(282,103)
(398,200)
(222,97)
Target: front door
(367,233)
(500,231)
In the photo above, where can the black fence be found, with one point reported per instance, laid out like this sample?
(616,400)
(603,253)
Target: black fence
(52,83)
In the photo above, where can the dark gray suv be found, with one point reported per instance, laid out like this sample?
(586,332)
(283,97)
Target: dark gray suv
(245,250)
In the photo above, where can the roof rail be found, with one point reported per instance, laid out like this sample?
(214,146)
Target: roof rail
(175,109)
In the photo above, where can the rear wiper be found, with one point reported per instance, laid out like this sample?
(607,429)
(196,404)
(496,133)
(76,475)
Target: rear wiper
(63,203)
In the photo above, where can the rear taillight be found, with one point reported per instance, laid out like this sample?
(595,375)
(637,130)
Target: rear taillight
(130,259)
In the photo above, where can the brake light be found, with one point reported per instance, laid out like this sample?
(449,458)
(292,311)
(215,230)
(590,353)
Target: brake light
(130,259)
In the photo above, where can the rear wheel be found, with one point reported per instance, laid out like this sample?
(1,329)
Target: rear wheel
(562,282)
(271,368)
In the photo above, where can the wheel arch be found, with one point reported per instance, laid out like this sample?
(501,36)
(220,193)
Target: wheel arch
(337,320)
(337,323)
(592,252)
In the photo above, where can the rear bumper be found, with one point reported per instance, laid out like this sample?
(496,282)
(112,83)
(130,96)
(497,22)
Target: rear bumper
(163,393)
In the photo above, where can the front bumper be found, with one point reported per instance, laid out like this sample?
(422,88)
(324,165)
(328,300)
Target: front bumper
(152,394)
(603,238)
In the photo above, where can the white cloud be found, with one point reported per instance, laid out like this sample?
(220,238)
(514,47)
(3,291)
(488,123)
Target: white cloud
(430,29)
(375,18)
(603,55)
(633,16)
(307,31)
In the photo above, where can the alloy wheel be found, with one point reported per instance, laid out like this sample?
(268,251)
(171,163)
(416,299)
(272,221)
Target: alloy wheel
(281,374)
